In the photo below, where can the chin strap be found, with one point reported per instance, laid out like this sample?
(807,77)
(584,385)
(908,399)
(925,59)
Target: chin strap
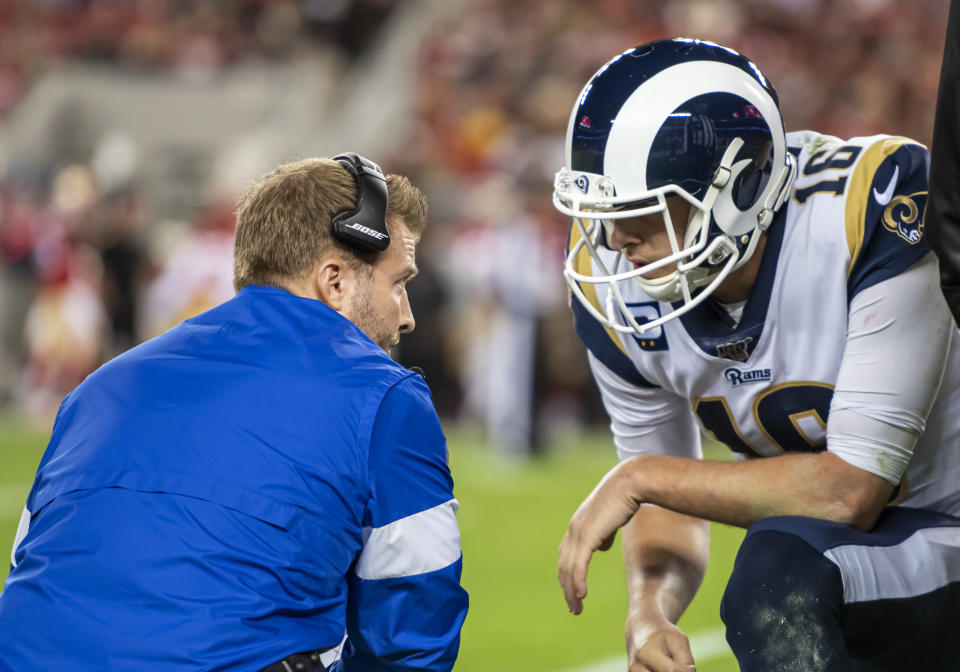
(774,202)
(717,253)
(779,196)
(721,177)
(725,170)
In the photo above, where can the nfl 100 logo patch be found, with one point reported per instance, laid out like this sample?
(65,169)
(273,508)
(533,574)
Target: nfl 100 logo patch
(648,311)
(738,350)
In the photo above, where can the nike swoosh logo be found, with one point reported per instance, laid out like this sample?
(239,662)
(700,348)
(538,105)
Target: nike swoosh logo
(884,198)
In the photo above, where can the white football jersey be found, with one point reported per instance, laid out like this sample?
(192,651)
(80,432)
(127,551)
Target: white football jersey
(763,385)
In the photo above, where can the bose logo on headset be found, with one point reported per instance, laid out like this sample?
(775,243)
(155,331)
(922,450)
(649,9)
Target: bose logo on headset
(357,226)
(364,227)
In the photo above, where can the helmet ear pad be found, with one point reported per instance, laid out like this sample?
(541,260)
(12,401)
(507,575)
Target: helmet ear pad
(749,184)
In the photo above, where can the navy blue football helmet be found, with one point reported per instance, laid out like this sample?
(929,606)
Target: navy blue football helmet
(672,118)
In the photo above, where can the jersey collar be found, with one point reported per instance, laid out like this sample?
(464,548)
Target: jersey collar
(711,327)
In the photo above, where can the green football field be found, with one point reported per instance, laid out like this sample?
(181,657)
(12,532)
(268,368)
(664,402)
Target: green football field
(512,516)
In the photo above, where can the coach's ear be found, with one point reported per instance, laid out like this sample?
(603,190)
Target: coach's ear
(334,283)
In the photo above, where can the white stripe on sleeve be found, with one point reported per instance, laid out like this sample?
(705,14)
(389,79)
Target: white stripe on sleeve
(925,561)
(420,543)
(21,533)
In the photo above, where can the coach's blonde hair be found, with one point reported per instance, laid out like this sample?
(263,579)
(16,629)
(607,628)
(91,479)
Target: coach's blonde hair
(283,221)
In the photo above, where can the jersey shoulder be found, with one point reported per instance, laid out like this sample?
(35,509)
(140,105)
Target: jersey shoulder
(876,186)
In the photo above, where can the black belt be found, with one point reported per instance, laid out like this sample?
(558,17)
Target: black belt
(308,661)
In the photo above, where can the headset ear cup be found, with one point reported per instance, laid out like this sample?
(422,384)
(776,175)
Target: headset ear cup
(363,227)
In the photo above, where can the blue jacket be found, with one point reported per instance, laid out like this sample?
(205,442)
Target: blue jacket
(251,484)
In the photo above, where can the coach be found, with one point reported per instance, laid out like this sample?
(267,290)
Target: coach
(239,492)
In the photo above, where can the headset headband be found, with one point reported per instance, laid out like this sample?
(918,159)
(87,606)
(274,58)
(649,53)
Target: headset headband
(364,227)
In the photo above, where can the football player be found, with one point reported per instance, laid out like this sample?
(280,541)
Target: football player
(776,292)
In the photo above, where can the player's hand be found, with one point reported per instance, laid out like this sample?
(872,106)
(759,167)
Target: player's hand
(657,646)
(593,528)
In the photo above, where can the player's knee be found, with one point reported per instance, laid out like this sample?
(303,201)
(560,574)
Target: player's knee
(781,591)
(755,579)
(777,571)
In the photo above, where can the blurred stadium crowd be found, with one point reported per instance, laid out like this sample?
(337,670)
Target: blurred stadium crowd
(190,39)
(92,262)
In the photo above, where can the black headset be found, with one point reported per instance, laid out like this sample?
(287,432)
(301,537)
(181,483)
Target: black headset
(363,227)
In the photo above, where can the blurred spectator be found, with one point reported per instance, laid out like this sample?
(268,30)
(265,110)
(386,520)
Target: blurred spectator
(63,333)
(503,268)
(195,272)
(425,347)
(64,328)
(125,266)
(17,282)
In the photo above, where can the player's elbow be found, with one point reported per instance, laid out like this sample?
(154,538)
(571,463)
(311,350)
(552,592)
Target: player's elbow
(861,513)
(859,496)
(863,502)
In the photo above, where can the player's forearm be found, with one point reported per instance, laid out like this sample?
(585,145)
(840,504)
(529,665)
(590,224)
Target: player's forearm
(665,556)
(818,485)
